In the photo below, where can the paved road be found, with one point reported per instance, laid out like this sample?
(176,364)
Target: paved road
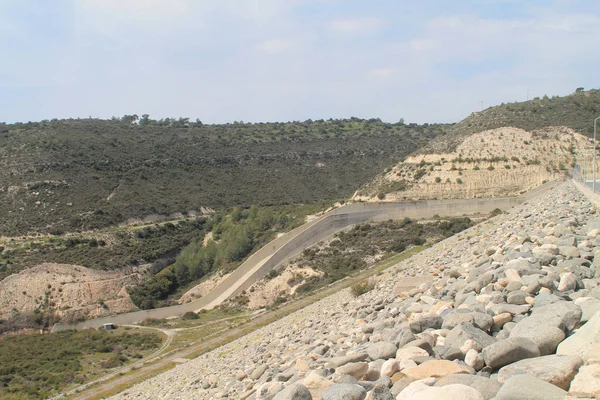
(294,242)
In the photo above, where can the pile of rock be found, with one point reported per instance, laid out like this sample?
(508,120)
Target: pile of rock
(512,312)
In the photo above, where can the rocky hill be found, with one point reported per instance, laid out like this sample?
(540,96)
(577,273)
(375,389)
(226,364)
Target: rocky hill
(71,292)
(510,309)
(576,111)
(497,162)
(501,151)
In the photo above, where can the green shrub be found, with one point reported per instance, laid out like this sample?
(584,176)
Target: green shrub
(362,287)
(221,166)
(52,362)
(419,174)
(496,212)
(190,315)
(113,361)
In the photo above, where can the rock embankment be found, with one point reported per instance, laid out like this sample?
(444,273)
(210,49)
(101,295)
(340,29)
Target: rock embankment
(512,312)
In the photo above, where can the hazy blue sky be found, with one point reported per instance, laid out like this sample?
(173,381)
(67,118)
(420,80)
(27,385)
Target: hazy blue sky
(281,60)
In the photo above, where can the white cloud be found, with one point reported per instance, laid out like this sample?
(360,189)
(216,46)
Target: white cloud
(134,10)
(275,46)
(423,44)
(206,59)
(381,73)
(355,26)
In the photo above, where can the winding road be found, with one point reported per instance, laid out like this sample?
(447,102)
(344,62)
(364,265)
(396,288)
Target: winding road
(278,251)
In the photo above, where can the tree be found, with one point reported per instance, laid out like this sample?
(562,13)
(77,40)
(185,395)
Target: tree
(182,274)
(145,120)
(129,119)
(579,90)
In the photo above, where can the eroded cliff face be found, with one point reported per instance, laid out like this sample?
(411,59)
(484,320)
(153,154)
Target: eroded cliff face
(497,162)
(73,292)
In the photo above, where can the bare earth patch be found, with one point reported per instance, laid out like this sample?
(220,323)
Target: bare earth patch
(497,162)
(72,291)
(264,292)
(201,289)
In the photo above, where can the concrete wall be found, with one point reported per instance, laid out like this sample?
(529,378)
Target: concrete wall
(294,242)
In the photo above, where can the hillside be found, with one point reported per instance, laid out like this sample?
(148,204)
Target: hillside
(70,292)
(576,111)
(496,162)
(58,176)
(501,151)
(90,175)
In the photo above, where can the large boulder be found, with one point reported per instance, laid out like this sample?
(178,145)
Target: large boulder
(335,362)
(429,321)
(316,384)
(435,368)
(563,315)
(486,386)
(585,342)
(586,382)
(555,369)
(465,331)
(527,387)
(420,391)
(259,371)
(344,391)
(381,392)
(546,337)
(382,350)
(589,307)
(508,351)
(295,391)
(356,370)
(456,317)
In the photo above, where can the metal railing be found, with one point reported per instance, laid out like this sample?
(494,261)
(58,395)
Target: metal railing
(584,172)
(585,168)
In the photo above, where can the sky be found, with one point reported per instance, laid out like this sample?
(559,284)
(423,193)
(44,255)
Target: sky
(290,60)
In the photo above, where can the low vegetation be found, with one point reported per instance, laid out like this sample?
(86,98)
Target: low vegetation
(108,249)
(39,366)
(202,318)
(77,175)
(577,111)
(37,319)
(362,287)
(234,237)
(363,245)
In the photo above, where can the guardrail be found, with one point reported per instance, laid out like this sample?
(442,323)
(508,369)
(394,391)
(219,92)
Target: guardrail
(584,174)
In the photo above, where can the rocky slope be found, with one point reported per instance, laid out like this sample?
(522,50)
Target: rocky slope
(511,311)
(497,162)
(73,292)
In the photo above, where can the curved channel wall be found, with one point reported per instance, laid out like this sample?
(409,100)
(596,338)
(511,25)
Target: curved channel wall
(276,252)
